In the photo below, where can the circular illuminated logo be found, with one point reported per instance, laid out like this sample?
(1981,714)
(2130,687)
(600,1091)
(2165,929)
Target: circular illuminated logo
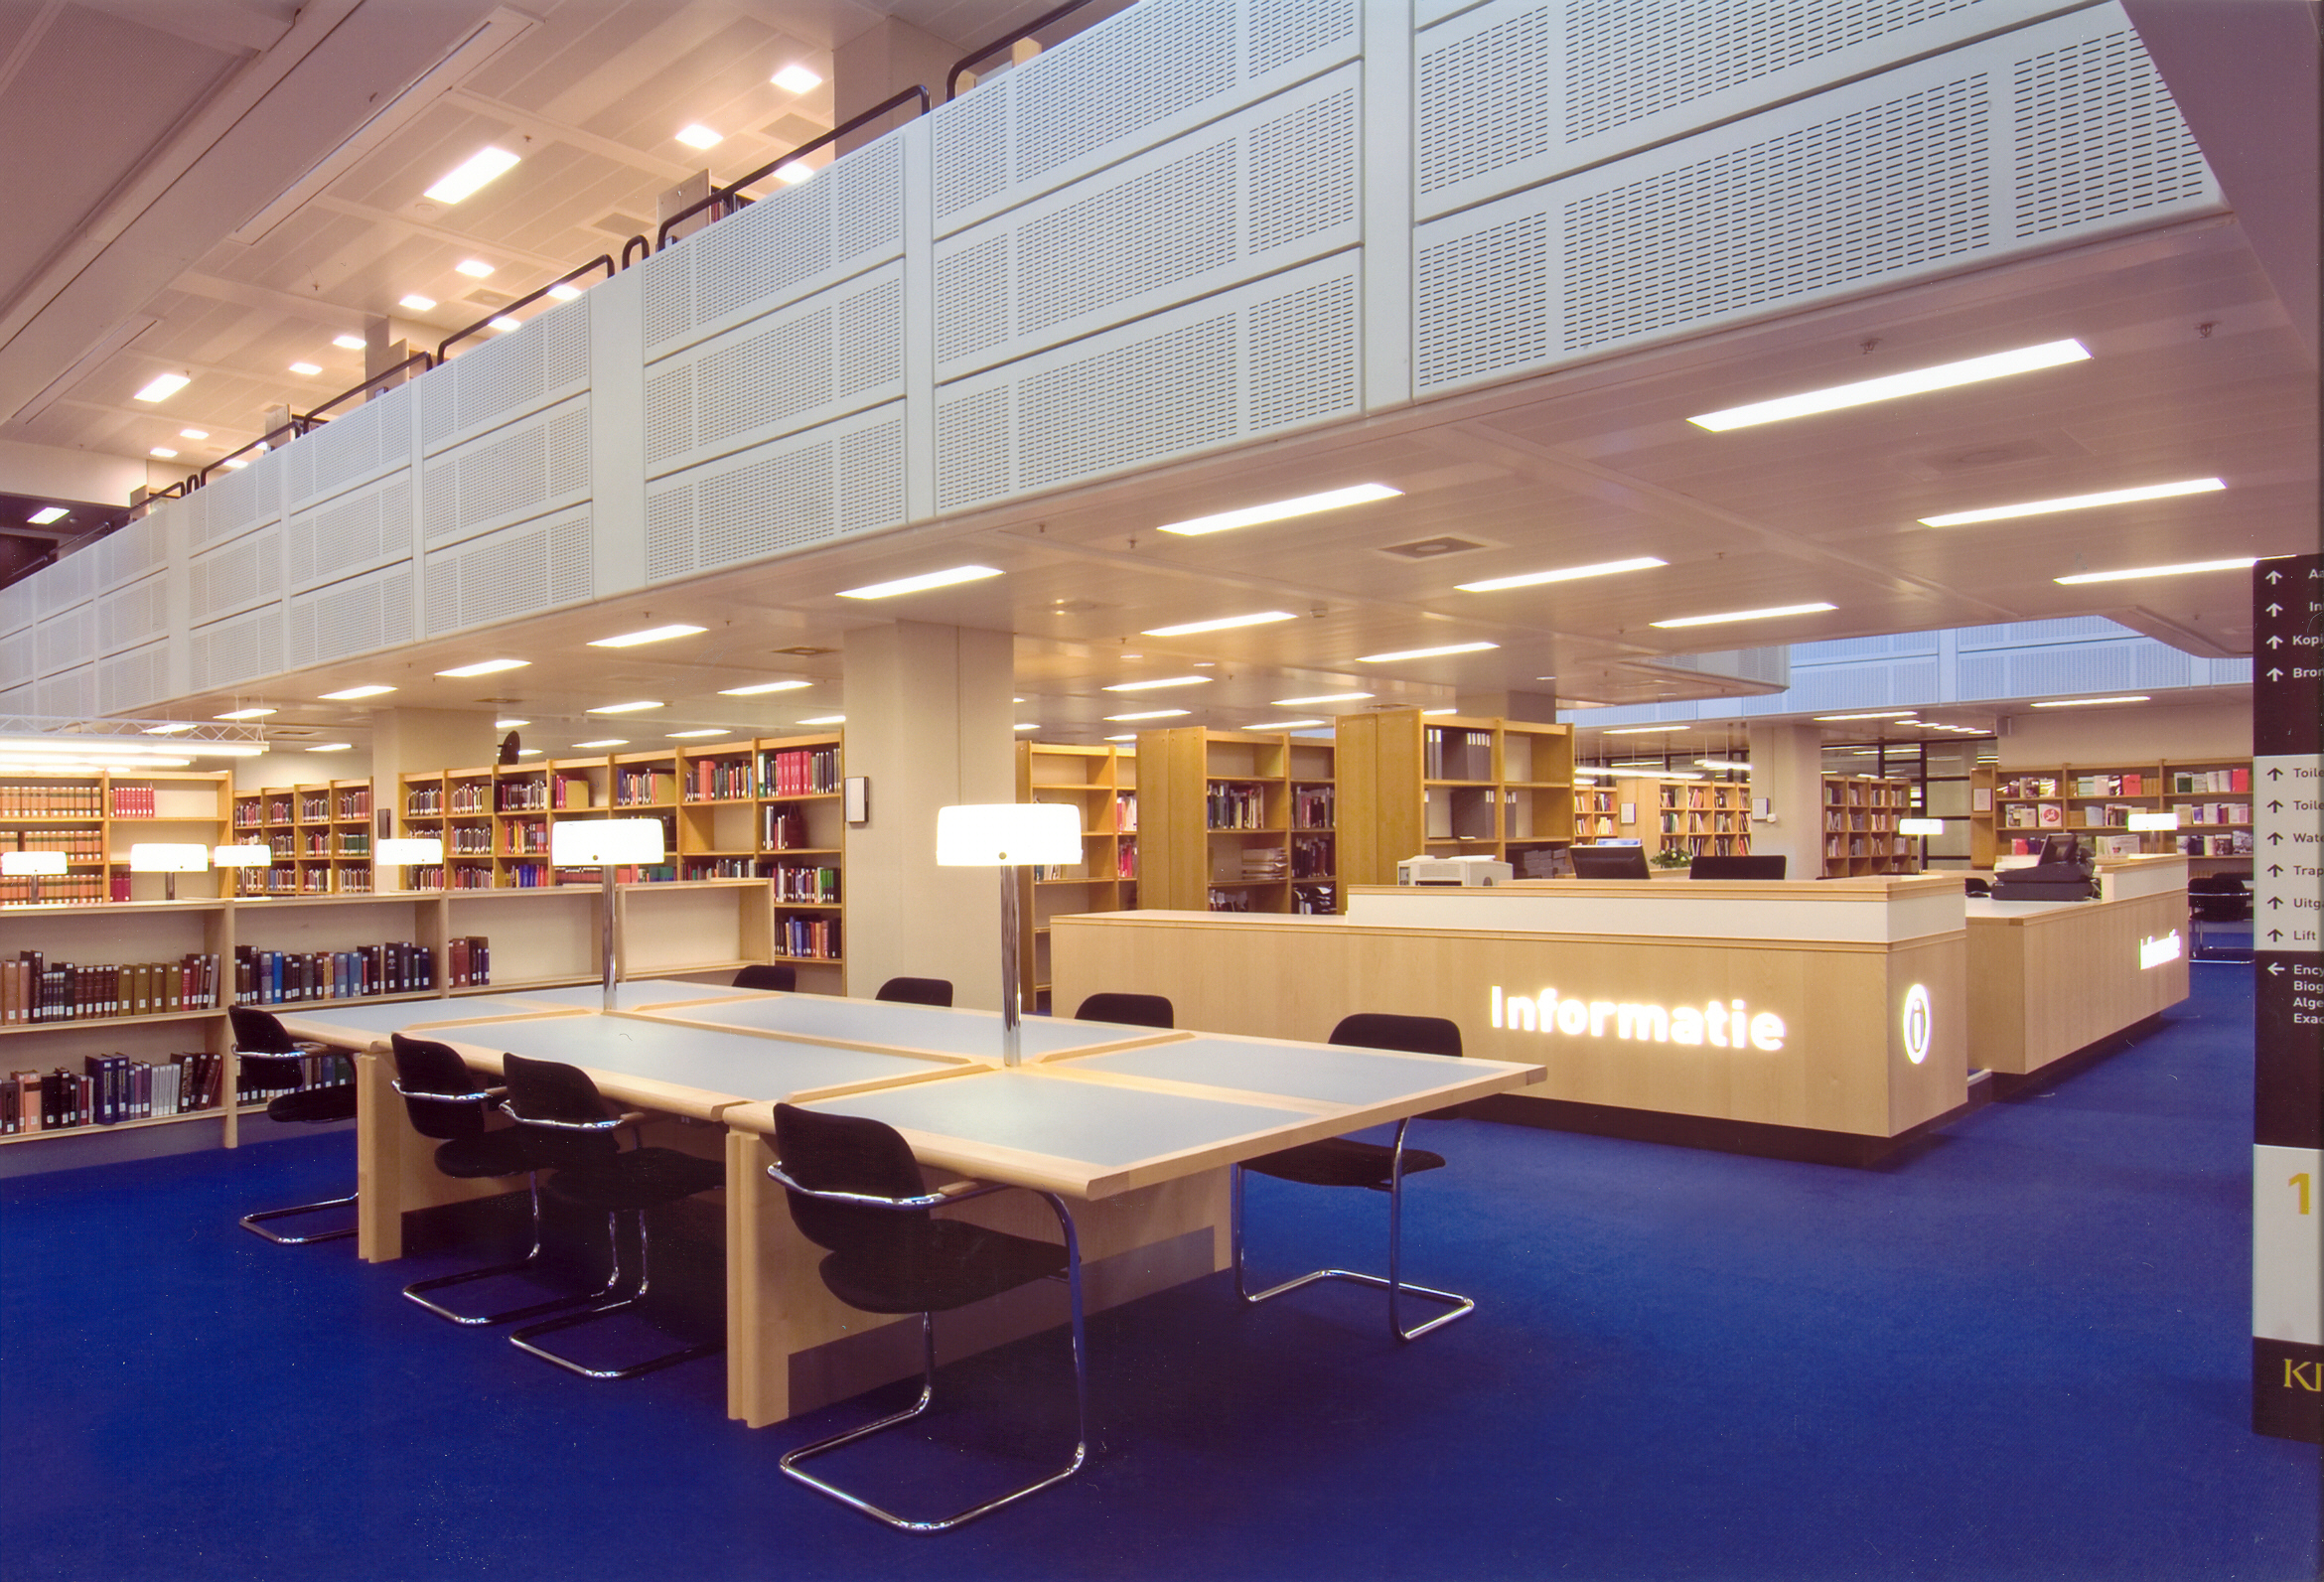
(1917,1022)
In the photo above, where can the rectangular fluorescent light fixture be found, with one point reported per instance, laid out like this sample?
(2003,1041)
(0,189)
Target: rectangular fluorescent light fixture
(795,78)
(484,667)
(699,136)
(1439,711)
(1746,615)
(173,729)
(562,292)
(467,179)
(46,515)
(760,690)
(162,386)
(610,741)
(1719,762)
(1646,730)
(347,343)
(630,640)
(1944,377)
(1026,725)
(234,463)
(474,268)
(333,747)
(529,752)
(1876,714)
(243,714)
(1567,574)
(1149,714)
(2043,508)
(2090,702)
(1281,510)
(688,736)
(350,693)
(638,707)
(164,453)
(827,719)
(1159,681)
(1424,653)
(921,583)
(1320,697)
(1286,725)
(798,170)
(508,725)
(2185,567)
(194,433)
(1187,628)
(502,322)
(416,303)
(1126,736)
(305,371)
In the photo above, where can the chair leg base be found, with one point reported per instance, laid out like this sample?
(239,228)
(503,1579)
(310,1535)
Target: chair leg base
(523,1340)
(253,1222)
(412,1293)
(1461,1306)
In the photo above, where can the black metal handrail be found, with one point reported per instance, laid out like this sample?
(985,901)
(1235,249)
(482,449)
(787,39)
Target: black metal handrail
(644,250)
(952,77)
(732,190)
(266,440)
(384,377)
(601,262)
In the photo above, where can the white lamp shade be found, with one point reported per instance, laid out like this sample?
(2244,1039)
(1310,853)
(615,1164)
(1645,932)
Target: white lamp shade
(405,853)
(1001,834)
(255,855)
(2168,820)
(605,842)
(168,858)
(16,864)
(1920,826)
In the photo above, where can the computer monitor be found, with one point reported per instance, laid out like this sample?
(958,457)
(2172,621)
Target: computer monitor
(1608,862)
(1736,868)
(2063,848)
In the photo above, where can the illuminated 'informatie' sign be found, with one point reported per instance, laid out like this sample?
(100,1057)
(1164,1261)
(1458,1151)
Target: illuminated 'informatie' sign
(1721,1024)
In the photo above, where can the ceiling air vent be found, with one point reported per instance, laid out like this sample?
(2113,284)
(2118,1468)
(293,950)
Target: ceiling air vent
(806,651)
(490,299)
(618,223)
(1431,548)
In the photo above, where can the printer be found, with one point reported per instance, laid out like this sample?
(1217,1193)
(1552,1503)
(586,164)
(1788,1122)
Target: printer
(1427,870)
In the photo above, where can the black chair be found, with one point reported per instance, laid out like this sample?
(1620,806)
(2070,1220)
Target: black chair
(444,1099)
(271,1058)
(1350,1162)
(568,1131)
(1138,1010)
(855,1188)
(917,992)
(2218,897)
(768,975)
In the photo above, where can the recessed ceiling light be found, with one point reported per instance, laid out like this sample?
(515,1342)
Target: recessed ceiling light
(827,719)
(1282,510)
(698,135)
(234,463)
(1720,763)
(689,736)
(1187,628)
(348,343)
(1944,376)
(164,452)
(1645,729)
(1160,681)
(1877,714)
(795,78)
(2043,508)
(1148,714)
(46,515)
(464,179)
(606,741)
(332,747)
(563,292)
(1424,653)
(1320,697)
(502,322)
(925,580)
(508,725)
(2243,564)
(1286,725)
(1566,574)
(194,433)
(305,371)
(761,688)
(1746,615)
(532,752)
(484,667)
(630,640)
(1439,711)
(474,268)
(351,693)
(162,386)
(794,172)
(243,714)
(2088,702)
(1026,725)
(172,729)
(416,303)
(1127,736)
(639,706)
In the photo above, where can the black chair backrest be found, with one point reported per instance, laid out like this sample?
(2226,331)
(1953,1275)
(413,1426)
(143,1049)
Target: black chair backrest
(259,1032)
(1138,1010)
(423,1065)
(1608,862)
(550,1090)
(917,992)
(849,1153)
(768,975)
(1415,1035)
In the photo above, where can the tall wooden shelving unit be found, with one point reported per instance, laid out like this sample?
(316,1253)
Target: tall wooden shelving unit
(94,819)
(1448,786)
(1860,838)
(1102,785)
(1238,821)
(2212,797)
(1707,818)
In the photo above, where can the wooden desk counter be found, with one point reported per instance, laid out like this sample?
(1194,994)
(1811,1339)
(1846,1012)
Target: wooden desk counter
(2048,977)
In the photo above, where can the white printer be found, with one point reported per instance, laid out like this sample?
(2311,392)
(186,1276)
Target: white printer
(1427,870)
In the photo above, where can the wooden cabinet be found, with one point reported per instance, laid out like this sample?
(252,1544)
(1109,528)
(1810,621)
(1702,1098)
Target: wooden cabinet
(1238,821)
(1860,813)
(1101,784)
(1448,786)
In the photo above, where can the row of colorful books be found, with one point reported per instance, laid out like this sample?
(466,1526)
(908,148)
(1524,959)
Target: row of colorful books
(49,800)
(808,939)
(273,977)
(108,1089)
(35,989)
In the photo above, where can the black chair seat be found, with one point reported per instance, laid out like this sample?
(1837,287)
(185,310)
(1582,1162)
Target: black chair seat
(639,1179)
(949,1264)
(314,1105)
(485,1154)
(1341,1162)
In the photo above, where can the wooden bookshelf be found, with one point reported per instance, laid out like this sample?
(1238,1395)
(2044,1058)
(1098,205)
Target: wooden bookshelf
(1238,821)
(94,819)
(2212,797)
(1102,785)
(1860,813)
(1448,786)
(1703,818)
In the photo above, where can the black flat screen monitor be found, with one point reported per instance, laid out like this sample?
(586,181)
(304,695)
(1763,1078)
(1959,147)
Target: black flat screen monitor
(1608,862)
(1736,868)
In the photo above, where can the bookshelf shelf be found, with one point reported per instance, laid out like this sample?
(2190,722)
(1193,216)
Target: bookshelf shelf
(1861,836)
(2211,796)
(1450,786)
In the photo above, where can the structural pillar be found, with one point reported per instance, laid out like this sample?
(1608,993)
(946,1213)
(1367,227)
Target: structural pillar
(1787,771)
(414,741)
(1537,708)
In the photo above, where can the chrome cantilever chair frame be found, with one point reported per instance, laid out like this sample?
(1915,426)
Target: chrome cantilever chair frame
(255,1223)
(1395,1285)
(1073,1277)
(614,1282)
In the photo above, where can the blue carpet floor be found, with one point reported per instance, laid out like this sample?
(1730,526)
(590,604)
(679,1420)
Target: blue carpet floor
(2021,1354)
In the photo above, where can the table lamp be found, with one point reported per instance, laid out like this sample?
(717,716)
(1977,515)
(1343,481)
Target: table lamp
(2164,820)
(605,844)
(169,859)
(1923,828)
(31,865)
(1007,835)
(411,852)
(255,854)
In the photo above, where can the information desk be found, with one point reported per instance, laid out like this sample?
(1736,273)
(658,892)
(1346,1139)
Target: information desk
(1836,1006)
(1137,1124)
(2050,977)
